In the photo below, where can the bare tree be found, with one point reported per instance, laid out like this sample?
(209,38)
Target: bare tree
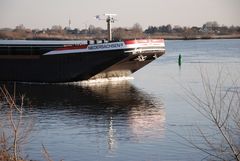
(220,105)
(14,131)
(137,30)
(120,33)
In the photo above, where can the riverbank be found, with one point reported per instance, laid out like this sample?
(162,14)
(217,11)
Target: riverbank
(196,37)
(166,37)
(117,35)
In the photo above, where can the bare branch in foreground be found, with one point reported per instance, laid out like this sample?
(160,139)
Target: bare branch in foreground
(221,106)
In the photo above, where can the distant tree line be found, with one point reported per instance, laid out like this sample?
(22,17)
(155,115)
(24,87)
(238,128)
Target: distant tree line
(208,30)
(209,27)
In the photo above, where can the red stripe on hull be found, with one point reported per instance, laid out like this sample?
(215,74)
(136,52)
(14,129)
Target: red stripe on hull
(143,41)
(72,47)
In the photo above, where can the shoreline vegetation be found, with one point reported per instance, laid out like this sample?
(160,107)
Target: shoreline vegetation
(16,127)
(209,30)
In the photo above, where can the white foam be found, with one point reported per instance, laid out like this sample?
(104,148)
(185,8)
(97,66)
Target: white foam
(93,82)
(102,81)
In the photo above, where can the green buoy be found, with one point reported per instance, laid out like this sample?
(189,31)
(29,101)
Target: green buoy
(180,60)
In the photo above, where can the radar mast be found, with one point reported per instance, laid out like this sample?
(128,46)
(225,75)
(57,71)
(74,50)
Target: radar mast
(109,18)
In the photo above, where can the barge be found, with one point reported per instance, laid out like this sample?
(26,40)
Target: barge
(57,62)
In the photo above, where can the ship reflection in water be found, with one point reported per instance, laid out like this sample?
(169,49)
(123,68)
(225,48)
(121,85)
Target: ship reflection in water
(113,113)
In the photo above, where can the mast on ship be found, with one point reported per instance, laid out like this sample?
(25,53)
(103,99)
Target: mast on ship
(109,18)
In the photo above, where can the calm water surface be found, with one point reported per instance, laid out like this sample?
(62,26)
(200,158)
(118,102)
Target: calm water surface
(133,120)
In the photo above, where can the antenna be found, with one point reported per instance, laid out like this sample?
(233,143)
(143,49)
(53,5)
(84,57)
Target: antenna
(69,23)
(108,17)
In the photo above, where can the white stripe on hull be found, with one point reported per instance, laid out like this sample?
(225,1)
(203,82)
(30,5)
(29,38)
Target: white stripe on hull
(139,47)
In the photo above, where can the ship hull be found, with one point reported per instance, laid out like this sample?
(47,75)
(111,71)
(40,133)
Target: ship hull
(58,68)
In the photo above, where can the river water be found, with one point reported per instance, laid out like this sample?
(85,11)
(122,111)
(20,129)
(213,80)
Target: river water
(137,120)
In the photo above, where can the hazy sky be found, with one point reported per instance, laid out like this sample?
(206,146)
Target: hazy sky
(45,13)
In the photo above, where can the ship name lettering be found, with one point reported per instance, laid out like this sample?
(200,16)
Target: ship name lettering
(105,46)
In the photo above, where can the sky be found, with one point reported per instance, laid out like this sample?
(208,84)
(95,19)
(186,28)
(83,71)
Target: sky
(46,13)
